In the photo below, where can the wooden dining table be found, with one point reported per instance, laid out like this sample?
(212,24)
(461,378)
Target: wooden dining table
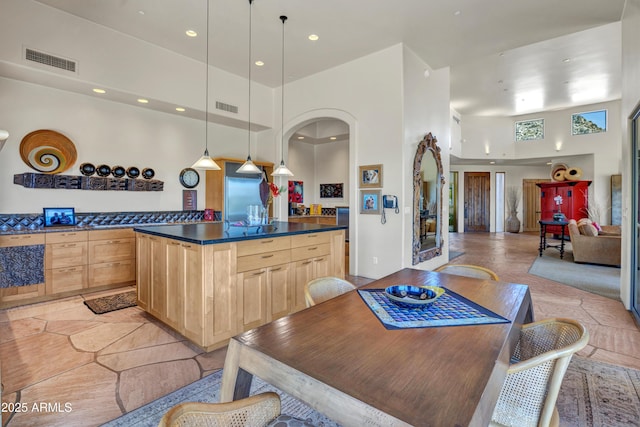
(340,359)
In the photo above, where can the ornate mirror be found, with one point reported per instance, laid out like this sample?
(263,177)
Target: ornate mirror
(428,180)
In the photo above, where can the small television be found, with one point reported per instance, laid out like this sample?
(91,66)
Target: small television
(59,217)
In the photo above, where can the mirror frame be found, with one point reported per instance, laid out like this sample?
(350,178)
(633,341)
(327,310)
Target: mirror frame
(428,143)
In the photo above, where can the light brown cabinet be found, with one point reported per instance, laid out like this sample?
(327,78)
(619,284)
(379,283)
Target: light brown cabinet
(112,255)
(190,287)
(65,261)
(314,219)
(210,293)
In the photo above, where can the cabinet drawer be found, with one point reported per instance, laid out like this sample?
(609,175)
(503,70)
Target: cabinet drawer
(312,251)
(116,233)
(65,279)
(309,239)
(253,262)
(251,247)
(111,273)
(61,255)
(21,240)
(66,236)
(112,250)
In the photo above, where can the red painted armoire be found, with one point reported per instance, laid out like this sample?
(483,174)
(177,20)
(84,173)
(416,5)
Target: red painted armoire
(574,198)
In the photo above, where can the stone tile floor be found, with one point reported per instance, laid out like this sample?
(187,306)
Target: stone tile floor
(62,365)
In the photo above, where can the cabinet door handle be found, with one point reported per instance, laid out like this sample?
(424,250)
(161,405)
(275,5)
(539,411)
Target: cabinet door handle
(259,273)
(68,234)
(267,241)
(111,242)
(114,264)
(267,256)
(174,243)
(307,262)
(312,235)
(276,269)
(312,249)
(69,245)
(186,246)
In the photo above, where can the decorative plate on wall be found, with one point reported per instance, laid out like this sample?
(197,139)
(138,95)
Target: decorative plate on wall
(133,172)
(148,173)
(48,151)
(103,170)
(87,169)
(118,171)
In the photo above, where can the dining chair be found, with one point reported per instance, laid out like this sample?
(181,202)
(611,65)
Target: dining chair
(468,270)
(324,288)
(538,365)
(254,411)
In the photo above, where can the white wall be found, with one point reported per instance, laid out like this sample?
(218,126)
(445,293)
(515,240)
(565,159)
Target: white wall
(105,132)
(320,164)
(630,99)
(426,109)
(498,134)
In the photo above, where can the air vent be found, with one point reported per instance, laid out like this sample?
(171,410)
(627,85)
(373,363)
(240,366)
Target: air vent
(50,60)
(226,107)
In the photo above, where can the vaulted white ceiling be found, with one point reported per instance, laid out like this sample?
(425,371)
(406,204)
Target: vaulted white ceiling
(502,53)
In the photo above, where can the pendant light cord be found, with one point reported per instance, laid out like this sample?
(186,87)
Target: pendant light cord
(206,88)
(283,19)
(249,123)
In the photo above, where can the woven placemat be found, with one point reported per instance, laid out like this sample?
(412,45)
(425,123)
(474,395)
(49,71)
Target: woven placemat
(451,309)
(112,302)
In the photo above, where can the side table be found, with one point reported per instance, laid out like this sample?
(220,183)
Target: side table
(543,235)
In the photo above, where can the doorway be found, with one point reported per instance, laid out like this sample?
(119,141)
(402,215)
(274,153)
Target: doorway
(477,206)
(531,211)
(635,214)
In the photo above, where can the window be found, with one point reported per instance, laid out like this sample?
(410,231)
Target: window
(589,122)
(529,130)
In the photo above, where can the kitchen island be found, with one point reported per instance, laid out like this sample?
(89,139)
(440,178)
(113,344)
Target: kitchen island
(212,281)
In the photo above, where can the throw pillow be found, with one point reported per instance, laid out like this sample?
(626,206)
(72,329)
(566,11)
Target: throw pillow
(588,230)
(595,224)
(584,221)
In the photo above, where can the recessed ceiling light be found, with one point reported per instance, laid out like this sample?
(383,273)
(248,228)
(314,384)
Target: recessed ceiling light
(313,37)
(259,63)
(566,60)
(191,33)
(492,163)
(301,137)
(141,12)
(549,163)
(457,13)
(333,138)
(98,90)
(180,109)
(143,101)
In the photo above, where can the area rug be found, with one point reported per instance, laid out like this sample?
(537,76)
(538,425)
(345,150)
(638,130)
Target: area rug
(593,394)
(597,279)
(112,302)
(454,254)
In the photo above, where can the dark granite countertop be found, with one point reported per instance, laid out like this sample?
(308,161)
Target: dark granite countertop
(212,233)
(71,228)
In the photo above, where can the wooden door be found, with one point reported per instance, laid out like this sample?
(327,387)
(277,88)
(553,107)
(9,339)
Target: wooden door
(477,204)
(531,204)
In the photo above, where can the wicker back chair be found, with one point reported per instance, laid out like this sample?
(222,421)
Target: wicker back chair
(258,410)
(325,288)
(540,360)
(468,271)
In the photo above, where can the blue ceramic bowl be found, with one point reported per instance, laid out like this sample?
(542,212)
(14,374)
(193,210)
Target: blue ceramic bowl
(408,296)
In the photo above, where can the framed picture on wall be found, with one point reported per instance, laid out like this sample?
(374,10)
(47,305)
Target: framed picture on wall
(371,176)
(370,201)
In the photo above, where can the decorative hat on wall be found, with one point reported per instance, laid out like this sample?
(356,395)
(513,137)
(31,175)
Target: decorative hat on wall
(48,151)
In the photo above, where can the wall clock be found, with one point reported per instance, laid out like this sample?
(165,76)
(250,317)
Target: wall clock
(189,177)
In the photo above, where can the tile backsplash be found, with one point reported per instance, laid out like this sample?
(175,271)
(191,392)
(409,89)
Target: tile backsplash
(21,222)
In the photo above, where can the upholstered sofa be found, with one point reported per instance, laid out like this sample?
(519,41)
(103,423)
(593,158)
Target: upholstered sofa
(593,246)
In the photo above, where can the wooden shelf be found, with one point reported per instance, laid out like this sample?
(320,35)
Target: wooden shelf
(78,182)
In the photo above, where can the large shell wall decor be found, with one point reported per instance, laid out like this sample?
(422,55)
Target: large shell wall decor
(48,151)
(562,172)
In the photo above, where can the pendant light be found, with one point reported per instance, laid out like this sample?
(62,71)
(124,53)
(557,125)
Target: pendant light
(282,170)
(206,162)
(249,167)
